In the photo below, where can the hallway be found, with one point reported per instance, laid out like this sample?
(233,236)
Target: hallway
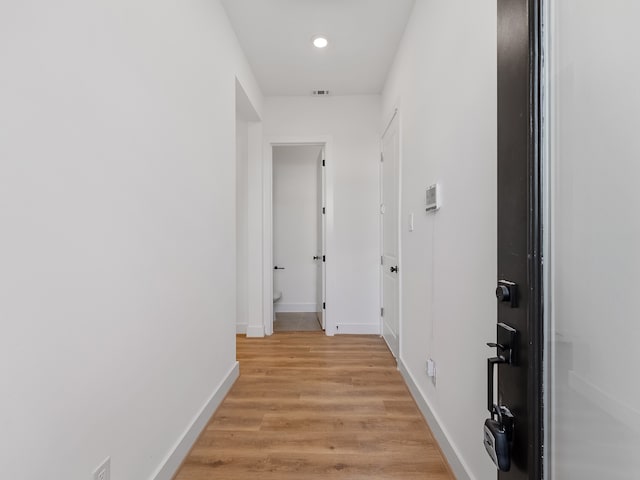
(473,200)
(309,406)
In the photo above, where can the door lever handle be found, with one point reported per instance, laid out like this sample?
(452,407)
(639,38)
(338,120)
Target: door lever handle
(278,268)
(394,269)
(316,257)
(491,406)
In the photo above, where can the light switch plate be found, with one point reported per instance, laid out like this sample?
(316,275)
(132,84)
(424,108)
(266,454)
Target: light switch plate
(431,370)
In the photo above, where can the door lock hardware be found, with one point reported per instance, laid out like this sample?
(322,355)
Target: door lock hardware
(498,437)
(498,429)
(504,352)
(507,291)
(491,363)
(506,344)
(393,269)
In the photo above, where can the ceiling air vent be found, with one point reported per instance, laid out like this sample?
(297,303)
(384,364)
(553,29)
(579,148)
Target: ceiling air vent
(320,93)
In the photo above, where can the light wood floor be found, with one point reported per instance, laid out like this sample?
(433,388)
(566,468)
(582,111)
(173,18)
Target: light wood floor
(307,406)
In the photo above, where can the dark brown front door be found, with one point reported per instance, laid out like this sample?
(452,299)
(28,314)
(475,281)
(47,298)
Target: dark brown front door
(517,357)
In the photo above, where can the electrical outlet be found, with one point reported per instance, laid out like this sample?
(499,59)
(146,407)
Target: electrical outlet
(103,472)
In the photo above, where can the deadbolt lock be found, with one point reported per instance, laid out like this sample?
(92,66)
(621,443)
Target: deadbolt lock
(507,291)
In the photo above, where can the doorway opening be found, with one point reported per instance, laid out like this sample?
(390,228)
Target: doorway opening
(248,218)
(322,247)
(298,237)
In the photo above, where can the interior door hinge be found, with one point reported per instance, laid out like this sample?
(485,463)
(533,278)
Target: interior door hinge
(382,157)
(323,164)
(324,210)
(381,260)
(324,258)
(382,312)
(324,305)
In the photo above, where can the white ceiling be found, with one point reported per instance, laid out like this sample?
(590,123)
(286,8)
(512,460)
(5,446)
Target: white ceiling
(276,37)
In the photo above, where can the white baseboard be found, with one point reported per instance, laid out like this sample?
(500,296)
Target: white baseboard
(241,328)
(295,307)
(460,469)
(255,331)
(358,329)
(183,446)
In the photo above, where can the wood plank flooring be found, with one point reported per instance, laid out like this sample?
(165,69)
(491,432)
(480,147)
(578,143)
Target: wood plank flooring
(307,406)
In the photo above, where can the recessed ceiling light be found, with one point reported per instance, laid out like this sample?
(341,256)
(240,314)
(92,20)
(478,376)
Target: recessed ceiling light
(320,41)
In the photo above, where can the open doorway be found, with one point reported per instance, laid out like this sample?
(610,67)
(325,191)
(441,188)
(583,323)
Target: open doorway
(249,219)
(299,257)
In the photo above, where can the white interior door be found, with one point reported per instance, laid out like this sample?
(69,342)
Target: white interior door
(321,242)
(389,203)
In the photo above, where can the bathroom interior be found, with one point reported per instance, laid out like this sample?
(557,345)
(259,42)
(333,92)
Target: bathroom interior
(298,233)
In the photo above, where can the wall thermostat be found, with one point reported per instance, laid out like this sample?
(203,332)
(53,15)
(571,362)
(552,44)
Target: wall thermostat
(433,197)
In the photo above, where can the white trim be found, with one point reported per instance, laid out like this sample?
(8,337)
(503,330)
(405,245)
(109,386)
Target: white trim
(393,115)
(548,378)
(322,288)
(267,187)
(460,469)
(267,238)
(255,331)
(357,329)
(255,262)
(398,113)
(181,449)
(241,328)
(296,307)
(380,240)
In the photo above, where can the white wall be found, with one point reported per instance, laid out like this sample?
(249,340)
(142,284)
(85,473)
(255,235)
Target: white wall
(295,226)
(242,224)
(444,82)
(248,214)
(117,214)
(353,252)
(595,232)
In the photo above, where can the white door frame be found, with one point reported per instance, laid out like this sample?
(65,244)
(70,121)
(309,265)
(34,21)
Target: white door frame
(267,188)
(395,114)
